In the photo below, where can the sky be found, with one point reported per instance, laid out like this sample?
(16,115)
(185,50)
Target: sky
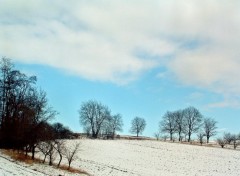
(140,57)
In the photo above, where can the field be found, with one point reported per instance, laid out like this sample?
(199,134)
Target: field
(135,157)
(143,157)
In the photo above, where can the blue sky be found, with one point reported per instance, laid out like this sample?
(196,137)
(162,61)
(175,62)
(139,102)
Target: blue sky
(139,58)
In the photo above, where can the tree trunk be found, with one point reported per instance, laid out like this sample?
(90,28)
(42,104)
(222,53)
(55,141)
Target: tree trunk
(44,158)
(50,160)
(208,139)
(33,152)
(59,161)
(189,137)
(94,135)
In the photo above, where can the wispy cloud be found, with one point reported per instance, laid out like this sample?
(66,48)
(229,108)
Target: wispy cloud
(196,41)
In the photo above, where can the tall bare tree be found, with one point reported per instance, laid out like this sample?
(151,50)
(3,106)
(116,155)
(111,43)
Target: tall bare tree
(113,124)
(180,123)
(193,120)
(94,114)
(210,127)
(138,125)
(168,124)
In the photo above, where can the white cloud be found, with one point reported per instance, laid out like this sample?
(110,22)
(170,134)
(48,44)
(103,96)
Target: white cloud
(118,40)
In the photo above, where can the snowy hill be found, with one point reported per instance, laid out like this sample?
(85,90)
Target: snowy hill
(138,158)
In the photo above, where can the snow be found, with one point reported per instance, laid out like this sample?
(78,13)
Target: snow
(9,167)
(138,158)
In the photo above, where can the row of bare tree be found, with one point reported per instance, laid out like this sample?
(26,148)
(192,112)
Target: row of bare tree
(51,148)
(229,139)
(185,123)
(97,121)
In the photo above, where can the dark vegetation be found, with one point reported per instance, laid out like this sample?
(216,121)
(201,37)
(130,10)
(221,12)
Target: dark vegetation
(25,116)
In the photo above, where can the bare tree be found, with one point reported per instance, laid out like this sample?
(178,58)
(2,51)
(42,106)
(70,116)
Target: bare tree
(44,147)
(200,136)
(193,121)
(235,141)
(70,153)
(51,152)
(39,130)
(138,125)
(94,114)
(221,142)
(87,130)
(180,123)
(228,137)
(60,148)
(157,134)
(164,137)
(115,123)
(210,127)
(168,124)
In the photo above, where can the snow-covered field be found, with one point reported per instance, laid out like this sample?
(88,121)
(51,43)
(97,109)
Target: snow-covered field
(141,158)
(153,158)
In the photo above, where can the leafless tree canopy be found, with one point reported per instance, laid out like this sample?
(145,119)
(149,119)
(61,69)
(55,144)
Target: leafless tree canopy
(138,125)
(180,123)
(168,124)
(59,146)
(222,142)
(235,140)
(94,114)
(157,134)
(200,136)
(228,137)
(193,121)
(112,125)
(210,127)
(71,153)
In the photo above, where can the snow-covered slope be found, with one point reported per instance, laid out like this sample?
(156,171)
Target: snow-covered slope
(138,158)
(9,167)
(153,158)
